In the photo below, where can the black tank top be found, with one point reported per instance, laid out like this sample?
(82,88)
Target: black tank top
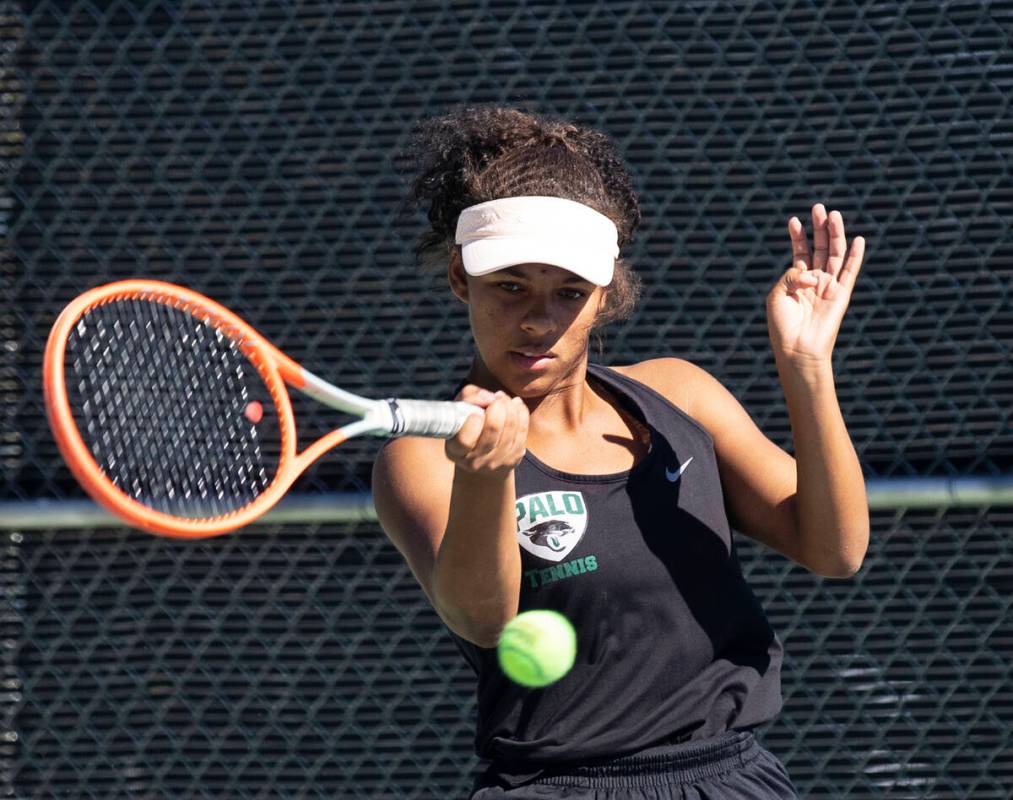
(671,642)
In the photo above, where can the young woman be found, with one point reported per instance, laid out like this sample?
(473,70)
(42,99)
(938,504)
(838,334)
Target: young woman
(607,493)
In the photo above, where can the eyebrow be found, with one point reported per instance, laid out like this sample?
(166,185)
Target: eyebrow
(519,273)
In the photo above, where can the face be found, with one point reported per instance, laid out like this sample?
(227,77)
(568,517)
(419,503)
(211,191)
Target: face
(531,325)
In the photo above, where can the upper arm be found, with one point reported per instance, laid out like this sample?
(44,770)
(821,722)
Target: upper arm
(758,478)
(412,479)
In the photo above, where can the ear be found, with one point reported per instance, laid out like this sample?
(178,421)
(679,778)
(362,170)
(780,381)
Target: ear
(456,276)
(603,298)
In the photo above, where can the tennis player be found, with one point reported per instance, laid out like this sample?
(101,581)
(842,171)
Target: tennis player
(608,493)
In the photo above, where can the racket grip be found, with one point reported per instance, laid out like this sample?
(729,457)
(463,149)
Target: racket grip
(439,419)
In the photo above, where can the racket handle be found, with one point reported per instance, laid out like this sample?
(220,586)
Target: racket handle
(439,419)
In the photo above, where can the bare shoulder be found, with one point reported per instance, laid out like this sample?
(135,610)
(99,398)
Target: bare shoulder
(412,479)
(758,478)
(694,391)
(679,381)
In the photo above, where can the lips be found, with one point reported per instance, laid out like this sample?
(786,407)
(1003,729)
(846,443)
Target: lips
(531,359)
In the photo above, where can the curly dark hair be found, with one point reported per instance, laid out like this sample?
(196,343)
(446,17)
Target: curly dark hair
(477,154)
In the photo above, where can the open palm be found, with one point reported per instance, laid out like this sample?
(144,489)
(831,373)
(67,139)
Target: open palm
(807,304)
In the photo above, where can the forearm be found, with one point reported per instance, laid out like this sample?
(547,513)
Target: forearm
(476,576)
(831,508)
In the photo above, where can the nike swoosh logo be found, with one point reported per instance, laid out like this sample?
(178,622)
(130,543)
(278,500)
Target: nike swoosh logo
(673,476)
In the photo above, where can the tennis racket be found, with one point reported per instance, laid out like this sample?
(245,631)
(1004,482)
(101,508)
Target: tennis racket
(174,414)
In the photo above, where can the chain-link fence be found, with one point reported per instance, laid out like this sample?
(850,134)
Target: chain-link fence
(249,150)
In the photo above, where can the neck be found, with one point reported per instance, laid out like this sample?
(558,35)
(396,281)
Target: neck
(560,410)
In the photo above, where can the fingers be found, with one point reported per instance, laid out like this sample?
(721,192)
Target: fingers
(495,443)
(467,437)
(496,424)
(837,244)
(852,266)
(518,446)
(800,258)
(796,278)
(475,395)
(820,243)
(830,245)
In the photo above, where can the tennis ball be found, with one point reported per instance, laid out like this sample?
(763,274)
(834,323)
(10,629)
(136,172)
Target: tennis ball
(537,648)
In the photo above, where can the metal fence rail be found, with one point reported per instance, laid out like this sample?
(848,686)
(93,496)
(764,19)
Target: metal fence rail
(335,507)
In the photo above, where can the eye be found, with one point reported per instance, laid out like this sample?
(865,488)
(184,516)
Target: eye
(509,286)
(572,294)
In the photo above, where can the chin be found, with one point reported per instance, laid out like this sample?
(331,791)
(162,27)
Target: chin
(530,384)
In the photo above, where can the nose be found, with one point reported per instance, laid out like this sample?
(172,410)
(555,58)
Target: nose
(538,319)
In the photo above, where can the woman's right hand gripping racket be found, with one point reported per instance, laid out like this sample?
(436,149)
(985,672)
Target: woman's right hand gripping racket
(173,413)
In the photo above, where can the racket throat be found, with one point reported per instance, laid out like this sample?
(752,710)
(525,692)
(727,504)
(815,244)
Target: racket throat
(330,395)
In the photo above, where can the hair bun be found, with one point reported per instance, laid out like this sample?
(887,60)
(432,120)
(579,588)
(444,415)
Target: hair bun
(473,155)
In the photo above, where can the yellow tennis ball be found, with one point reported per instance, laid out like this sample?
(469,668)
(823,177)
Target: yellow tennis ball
(537,648)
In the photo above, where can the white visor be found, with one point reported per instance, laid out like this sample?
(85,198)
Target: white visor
(538,230)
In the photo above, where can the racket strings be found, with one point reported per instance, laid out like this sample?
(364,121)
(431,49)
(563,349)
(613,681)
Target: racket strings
(161,398)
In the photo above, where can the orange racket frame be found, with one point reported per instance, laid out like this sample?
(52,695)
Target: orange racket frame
(276,369)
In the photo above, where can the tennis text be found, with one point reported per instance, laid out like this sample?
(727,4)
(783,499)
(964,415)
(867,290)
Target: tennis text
(568,569)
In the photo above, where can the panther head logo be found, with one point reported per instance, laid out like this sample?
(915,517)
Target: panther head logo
(548,534)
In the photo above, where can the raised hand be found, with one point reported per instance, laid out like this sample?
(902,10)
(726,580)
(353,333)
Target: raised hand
(807,304)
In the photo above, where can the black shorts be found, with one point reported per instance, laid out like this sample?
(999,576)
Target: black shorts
(728,767)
